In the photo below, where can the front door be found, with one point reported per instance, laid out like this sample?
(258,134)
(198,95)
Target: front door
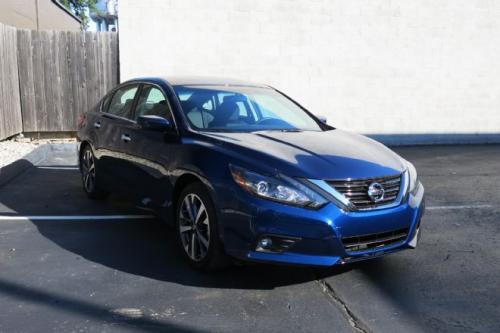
(150,152)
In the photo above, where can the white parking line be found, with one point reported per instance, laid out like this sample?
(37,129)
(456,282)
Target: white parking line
(458,207)
(58,167)
(74,217)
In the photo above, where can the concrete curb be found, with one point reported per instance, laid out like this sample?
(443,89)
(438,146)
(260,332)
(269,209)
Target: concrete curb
(394,140)
(63,147)
(10,171)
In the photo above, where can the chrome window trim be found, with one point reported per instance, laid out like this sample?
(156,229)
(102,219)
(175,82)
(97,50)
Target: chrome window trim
(140,85)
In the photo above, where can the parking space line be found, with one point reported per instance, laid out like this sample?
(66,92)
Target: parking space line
(458,207)
(73,217)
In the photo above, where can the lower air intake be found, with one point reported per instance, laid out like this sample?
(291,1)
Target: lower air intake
(374,241)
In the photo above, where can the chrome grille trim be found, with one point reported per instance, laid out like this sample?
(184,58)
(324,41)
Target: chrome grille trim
(356,191)
(332,194)
(374,241)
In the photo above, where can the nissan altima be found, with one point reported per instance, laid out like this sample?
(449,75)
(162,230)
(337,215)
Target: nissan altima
(241,170)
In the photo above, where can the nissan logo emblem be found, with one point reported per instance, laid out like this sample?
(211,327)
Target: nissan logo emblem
(376,192)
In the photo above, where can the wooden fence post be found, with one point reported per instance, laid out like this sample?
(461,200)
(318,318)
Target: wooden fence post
(10,106)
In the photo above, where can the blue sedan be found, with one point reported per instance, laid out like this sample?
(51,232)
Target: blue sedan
(241,170)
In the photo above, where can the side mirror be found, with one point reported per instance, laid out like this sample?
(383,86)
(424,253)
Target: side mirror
(321,118)
(154,123)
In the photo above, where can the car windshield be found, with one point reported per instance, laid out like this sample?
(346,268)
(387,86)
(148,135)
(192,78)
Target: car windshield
(242,109)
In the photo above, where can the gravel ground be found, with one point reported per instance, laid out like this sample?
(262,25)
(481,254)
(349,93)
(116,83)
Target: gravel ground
(12,150)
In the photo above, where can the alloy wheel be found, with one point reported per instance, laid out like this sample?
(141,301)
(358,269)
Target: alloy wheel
(194,227)
(88,171)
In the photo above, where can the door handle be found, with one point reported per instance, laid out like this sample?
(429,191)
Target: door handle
(126,137)
(97,124)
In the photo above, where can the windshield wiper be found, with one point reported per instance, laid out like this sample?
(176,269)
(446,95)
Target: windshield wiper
(291,130)
(279,130)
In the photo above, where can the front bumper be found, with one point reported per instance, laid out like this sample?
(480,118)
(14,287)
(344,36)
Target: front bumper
(319,232)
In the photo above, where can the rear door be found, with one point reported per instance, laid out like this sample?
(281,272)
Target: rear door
(116,114)
(151,151)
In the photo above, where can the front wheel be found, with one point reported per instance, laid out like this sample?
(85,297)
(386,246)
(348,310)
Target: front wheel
(197,229)
(89,175)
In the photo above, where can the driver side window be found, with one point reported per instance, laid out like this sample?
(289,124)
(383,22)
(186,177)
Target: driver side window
(122,100)
(152,102)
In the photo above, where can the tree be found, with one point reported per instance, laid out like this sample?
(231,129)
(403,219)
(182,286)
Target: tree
(78,7)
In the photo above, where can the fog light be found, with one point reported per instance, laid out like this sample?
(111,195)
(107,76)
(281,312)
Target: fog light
(274,243)
(265,243)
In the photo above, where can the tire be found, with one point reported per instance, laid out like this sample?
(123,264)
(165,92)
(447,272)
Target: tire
(197,229)
(89,175)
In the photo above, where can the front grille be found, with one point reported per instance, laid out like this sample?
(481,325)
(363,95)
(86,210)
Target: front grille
(374,241)
(356,191)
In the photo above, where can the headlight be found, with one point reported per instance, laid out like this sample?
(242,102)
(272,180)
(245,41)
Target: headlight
(412,178)
(281,188)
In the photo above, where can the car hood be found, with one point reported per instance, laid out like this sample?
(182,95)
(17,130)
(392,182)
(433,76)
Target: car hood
(332,154)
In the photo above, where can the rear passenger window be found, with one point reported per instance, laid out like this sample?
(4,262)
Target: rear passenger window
(152,102)
(121,103)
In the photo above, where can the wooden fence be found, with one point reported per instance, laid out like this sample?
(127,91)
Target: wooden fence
(51,77)
(62,74)
(10,105)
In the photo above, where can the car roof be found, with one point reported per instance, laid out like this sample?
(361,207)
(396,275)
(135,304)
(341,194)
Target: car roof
(201,81)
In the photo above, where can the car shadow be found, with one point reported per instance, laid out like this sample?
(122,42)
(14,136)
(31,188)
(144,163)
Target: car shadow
(143,247)
(148,248)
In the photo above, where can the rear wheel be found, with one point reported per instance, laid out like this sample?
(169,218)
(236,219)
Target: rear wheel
(89,174)
(197,229)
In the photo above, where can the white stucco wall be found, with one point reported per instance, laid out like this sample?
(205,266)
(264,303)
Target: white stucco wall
(378,66)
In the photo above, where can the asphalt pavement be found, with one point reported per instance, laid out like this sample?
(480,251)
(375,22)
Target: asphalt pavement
(71,264)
